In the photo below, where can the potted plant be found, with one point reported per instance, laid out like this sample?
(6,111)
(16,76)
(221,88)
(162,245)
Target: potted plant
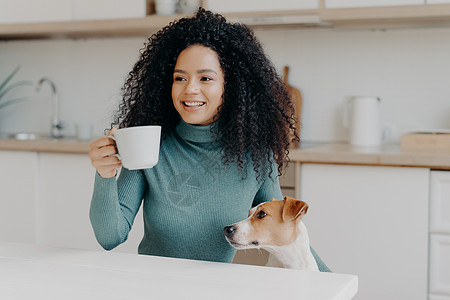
(5,88)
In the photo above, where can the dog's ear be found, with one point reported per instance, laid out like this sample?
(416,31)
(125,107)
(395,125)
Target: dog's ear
(293,209)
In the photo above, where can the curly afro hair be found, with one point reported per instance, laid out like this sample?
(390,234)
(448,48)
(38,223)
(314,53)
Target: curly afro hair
(256,119)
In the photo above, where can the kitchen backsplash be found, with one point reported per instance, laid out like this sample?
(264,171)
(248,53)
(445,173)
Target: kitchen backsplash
(409,69)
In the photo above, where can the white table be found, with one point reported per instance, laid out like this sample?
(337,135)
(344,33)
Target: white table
(37,272)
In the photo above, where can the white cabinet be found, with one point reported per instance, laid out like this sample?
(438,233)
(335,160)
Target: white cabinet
(369,3)
(28,11)
(18,196)
(440,202)
(372,222)
(45,199)
(440,264)
(25,11)
(66,185)
(440,234)
(436,297)
(437,1)
(107,9)
(231,6)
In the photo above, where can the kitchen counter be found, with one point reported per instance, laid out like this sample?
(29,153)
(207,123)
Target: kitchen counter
(332,153)
(385,155)
(65,145)
(38,272)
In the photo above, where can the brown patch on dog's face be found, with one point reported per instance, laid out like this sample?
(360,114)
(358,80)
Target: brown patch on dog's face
(268,226)
(273,223)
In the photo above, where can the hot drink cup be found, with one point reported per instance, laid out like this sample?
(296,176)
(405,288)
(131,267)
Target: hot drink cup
(138,147)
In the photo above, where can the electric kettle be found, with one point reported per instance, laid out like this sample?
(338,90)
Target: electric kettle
(362,118)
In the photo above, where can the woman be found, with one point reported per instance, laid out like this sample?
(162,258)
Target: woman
(226,119)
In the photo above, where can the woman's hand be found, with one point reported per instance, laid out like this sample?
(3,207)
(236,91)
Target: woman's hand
(101,152)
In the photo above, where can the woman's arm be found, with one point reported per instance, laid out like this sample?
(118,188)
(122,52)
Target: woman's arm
(114,206)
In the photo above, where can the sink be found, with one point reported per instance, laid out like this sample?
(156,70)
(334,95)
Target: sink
(33,136)
(28,136)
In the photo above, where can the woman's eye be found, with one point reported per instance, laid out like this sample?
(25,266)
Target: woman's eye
(204,78)
(178,78)
(261,214)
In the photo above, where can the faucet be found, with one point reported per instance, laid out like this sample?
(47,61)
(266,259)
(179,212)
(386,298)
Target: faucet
(56,124)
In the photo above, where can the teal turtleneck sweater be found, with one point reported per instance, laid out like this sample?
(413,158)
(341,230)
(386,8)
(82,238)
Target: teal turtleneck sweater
(188,198)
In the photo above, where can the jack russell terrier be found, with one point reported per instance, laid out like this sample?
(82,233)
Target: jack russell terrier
(276,226)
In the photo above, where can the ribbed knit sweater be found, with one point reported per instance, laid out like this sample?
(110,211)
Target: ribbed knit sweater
(188,198)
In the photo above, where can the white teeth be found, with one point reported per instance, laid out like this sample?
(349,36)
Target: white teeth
(193,103)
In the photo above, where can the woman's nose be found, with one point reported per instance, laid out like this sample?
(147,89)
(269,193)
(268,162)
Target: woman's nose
(192,87)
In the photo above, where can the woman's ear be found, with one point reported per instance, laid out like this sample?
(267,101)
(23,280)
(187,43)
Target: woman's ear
(293,209)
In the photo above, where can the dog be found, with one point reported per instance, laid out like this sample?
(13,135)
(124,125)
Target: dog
(276,226)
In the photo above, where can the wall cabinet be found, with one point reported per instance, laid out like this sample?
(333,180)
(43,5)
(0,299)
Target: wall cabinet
(231,6)
(437,1)
(13,11)
(106,9)
(372,222)
(27,11)
(89,17)
(435,297)
(369,3)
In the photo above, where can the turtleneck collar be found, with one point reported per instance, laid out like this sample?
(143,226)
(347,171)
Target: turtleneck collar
(196,133)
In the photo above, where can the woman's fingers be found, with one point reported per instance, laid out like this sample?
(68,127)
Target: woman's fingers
(108,161)
(102,156)
(111,132)
(102,142)
(103,152)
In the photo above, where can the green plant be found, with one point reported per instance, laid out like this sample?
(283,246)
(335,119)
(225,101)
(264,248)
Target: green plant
(5,88)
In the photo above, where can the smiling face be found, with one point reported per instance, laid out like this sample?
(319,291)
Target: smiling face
(198,85)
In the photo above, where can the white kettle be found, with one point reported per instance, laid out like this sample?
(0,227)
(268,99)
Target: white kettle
(362,118)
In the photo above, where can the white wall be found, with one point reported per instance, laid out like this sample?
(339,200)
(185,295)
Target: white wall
(88,75)
(408,68)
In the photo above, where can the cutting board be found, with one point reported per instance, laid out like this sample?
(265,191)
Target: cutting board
(297,101)
(426,140)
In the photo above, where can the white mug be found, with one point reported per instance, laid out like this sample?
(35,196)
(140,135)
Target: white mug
(138,147)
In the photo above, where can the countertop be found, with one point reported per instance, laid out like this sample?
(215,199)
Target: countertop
(332,153)
(39,272)
(385,155)
(66,145)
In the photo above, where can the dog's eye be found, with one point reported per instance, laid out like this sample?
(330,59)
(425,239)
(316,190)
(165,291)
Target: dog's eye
(261,214)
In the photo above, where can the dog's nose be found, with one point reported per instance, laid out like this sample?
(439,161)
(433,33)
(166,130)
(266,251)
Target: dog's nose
(229,230)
